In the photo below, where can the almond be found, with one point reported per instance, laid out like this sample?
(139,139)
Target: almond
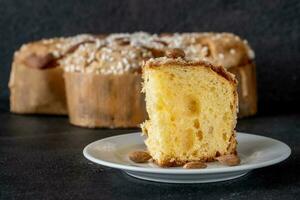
(39,61)
(123,41)
(139,156)
(195,165)
(230,160)
(161,42)
(175,53)
(73,48)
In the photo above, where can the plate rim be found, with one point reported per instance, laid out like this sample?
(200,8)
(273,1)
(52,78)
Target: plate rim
(246,167)
(188,181)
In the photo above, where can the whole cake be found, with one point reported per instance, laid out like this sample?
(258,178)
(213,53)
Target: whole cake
(192,108)
(97,79)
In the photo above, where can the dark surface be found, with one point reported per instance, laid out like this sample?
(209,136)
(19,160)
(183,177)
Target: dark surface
(271,26)
(41,158)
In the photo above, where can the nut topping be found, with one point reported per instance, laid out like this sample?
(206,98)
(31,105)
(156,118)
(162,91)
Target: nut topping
(230,160)
(139,156)
(123,41)
(175,53)
(75,46)
(39,61)
(195,165)
(161,42)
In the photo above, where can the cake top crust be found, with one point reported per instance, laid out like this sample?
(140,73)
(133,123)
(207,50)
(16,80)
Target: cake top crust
(116,54)
(120,53)
(103,58)
(40,53)
(224,49)
(56,46)
(164,61)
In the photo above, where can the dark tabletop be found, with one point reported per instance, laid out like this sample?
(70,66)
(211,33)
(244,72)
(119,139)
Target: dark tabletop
(41,158)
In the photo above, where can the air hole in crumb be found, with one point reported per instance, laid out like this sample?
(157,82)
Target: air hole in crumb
(195,153)
(172,118)
(159,107)
(175,139)
(218,154)
(210,130)
(204,145)
(196,123)
(199,135)
(225,117)
(172,77)
(224,136)
(193,106)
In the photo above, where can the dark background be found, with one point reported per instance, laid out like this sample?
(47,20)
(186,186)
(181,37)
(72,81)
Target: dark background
(272,28)
(41,156)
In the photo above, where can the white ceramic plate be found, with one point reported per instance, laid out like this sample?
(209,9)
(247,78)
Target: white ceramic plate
(255,152)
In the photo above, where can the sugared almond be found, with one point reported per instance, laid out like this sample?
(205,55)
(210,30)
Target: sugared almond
(175,53)
(123,41)
(39,61)
(73,48)
(139,156)
(195,165)
(230,160)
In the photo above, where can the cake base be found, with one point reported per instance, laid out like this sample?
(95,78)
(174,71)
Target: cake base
(35,91)
(112,101)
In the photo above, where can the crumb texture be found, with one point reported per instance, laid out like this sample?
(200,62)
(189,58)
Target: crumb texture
(192,114)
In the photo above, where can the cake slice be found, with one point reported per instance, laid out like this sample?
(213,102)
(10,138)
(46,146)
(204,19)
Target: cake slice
(192,108)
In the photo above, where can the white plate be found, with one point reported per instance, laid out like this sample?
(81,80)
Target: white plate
(255,152)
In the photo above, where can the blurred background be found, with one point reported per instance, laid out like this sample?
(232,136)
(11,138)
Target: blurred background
(271,27)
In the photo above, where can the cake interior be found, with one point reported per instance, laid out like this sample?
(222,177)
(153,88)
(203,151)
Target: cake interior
(192,114)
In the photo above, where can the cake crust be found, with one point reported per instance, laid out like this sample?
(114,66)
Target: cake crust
(163,61)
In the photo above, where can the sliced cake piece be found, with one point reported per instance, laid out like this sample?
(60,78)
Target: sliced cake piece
(192,108)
